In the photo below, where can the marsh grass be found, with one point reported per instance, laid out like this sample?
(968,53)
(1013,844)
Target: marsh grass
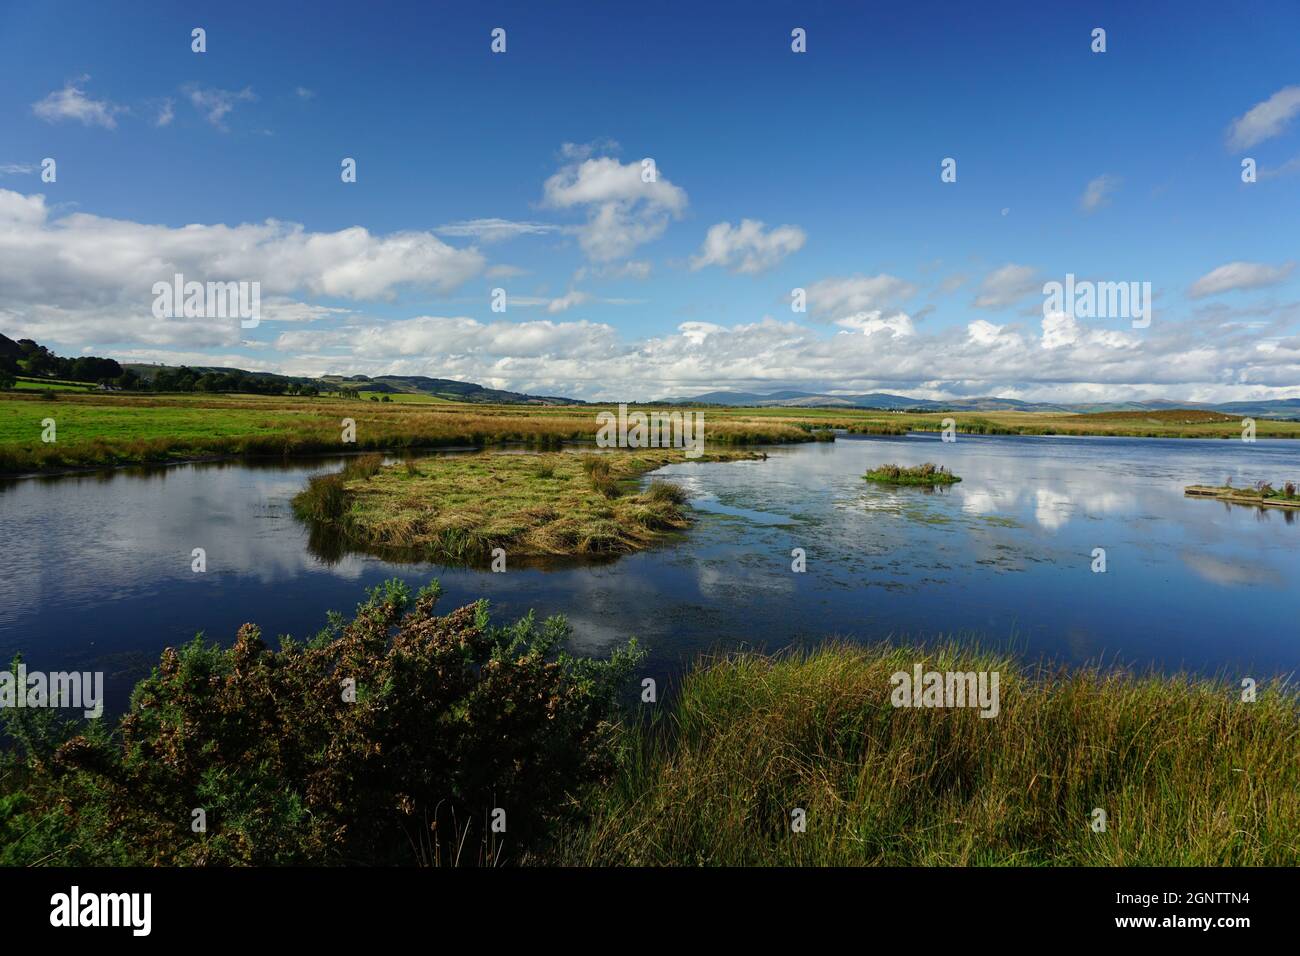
(928,474)
(1262,493)
(100,430)
(1187,773)
(105,429)
(460,508)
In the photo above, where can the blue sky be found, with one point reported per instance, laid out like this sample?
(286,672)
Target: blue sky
(1117,166)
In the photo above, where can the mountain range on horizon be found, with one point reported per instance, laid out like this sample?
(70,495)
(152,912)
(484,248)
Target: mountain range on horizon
(794,398)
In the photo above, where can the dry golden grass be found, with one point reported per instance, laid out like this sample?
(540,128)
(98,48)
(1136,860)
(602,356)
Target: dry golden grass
(460,507)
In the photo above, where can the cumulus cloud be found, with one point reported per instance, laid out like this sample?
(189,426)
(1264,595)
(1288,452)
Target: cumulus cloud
(747,248)
(72,103)
(837,297)
(89,277)
(1239,275)
(1063,359)
(1097,193)
(81,281)
(1264,120)
(623,210)
(166,113)
(1006,286)
(869,323)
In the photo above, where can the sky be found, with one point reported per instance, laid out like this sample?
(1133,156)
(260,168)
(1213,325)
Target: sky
(648,185)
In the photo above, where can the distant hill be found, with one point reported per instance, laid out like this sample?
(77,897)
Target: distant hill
(790,398)
(447,388)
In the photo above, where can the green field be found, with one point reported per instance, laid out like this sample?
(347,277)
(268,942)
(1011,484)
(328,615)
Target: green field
(414,398)
(97,429)
(50,385)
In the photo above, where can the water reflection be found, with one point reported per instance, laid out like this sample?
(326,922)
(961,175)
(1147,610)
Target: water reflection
(95,569)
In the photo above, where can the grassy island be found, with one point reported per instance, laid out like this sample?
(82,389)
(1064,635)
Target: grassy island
(460,507)
(928,475)
(1260,494)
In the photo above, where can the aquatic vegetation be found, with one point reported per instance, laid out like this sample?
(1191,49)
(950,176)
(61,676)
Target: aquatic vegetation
(1263,493)
(462,507)
(928,475)
(1187,773)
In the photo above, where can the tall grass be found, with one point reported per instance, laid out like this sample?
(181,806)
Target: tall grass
(1186,772)
(459,508)
(926,474)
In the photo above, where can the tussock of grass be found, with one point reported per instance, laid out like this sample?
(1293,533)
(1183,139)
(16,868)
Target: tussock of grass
(1187,773)
(928,474)
(460,508)
(1261,494)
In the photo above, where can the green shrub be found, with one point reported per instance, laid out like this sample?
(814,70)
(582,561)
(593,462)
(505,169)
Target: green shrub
(451,718)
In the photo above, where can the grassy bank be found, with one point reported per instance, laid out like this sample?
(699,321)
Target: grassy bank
(100,430)
(1186,772)
(395,735)
(103,429)
(459,508)
(928,475)
(1171,424)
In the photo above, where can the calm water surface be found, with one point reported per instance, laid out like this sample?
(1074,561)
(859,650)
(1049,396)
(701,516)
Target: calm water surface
(95,570)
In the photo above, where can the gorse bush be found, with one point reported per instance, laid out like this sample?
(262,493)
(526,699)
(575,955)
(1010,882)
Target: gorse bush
(451,719)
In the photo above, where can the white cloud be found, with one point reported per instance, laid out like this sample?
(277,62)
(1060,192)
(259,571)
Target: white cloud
(17,169)
(747,248)
(632,269)
(1097,193)
(1239,275)
(1065,360)
(216,104)
(82,281)
(567,301)
(166,113)
(836,298)
(623,211)
(869,323)
(283,309)
(1006,286)
(72,103)
(1264,120)
(494,230)
(983,333)
(304,94)
(88,277)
